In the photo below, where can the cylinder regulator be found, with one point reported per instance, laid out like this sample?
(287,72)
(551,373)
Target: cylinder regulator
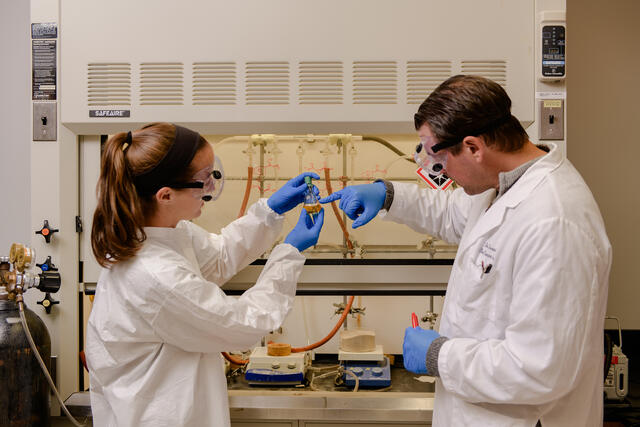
(24,395)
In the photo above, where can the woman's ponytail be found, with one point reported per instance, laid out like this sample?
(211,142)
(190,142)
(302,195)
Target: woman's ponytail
(118,222)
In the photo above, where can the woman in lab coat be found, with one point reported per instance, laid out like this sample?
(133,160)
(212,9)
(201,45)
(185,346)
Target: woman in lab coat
(521,332)
(160,319)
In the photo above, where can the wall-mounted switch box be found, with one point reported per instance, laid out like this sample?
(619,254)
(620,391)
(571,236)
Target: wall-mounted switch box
(551,119)
(45,121)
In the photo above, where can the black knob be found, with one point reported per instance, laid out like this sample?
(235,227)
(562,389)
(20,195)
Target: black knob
(44,120)
(49,282)
(47,231)
(48,302)
(47,265)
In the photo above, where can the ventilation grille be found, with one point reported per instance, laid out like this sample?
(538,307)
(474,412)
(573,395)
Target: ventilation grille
(109,84)
(423,77)
(494,70)
(161,83)
(267,83)
(214,83)
(320,83)
(375,82)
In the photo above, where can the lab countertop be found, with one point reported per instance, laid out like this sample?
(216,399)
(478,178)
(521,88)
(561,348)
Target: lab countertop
(407,400)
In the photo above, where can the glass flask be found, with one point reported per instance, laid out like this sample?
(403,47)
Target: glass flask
(311,203)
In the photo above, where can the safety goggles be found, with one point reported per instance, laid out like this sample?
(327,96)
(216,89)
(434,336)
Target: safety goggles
(433,163)
(209,182)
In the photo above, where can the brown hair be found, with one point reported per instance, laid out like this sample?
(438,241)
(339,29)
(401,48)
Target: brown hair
(117,232)
(471,106)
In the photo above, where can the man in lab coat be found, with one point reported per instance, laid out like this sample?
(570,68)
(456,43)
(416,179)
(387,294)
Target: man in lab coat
(521,334)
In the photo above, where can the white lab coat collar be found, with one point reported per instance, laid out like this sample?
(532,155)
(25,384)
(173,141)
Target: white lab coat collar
(178,239)
(167,234)
(485,217)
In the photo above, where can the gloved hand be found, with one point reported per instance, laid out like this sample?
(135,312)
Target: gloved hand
(291,194)
(305,233)
(414,348)
(360,202)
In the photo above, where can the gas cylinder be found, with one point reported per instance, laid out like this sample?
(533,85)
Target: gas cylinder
(24,391)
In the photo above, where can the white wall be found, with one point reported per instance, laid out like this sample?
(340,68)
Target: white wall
(15,137)
(603,65)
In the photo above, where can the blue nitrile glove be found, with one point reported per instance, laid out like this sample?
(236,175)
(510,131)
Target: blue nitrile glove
(361,203)
(305,233)
(414,348)
(291,194)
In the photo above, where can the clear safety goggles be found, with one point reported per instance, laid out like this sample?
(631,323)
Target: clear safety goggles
(207,182)
(433,163)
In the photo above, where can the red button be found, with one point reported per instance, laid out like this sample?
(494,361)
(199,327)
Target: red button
(45,231)
(614,360)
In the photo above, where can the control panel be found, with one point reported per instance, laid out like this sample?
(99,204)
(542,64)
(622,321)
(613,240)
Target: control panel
(552,35)
(553,43)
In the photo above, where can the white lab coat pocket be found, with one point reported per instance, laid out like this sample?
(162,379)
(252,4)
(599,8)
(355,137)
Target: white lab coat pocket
(477,298)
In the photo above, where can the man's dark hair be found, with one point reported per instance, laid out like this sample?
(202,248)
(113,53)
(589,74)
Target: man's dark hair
(471,106)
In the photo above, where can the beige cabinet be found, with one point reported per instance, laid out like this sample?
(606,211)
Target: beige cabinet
(301,423)
(259,423)
(354,424)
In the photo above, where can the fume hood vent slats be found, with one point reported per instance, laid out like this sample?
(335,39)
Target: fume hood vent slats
(423,77)
(161,83)
(214,83)
(494,70)
(320,82)
(375,82)
(267,83)
(108,83)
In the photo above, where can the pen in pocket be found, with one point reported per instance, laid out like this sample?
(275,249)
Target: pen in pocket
(486,269)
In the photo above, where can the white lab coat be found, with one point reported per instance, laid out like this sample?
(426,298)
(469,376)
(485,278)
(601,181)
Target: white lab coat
(160,321)
(526,338)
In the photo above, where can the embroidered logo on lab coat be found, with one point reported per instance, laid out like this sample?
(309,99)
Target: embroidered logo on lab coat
(488,252)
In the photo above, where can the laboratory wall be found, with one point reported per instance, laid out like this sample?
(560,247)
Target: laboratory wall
(603,65)
(15,134)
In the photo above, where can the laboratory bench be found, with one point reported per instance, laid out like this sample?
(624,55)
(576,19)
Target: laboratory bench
(408,402)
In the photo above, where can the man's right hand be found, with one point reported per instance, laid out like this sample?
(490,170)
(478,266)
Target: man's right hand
(360,203)
(415,347)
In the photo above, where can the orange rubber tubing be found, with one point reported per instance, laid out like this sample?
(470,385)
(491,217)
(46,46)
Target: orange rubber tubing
(234,360)
(327,179)
(344,315)
(247,191)
(83,359)
(331,334)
